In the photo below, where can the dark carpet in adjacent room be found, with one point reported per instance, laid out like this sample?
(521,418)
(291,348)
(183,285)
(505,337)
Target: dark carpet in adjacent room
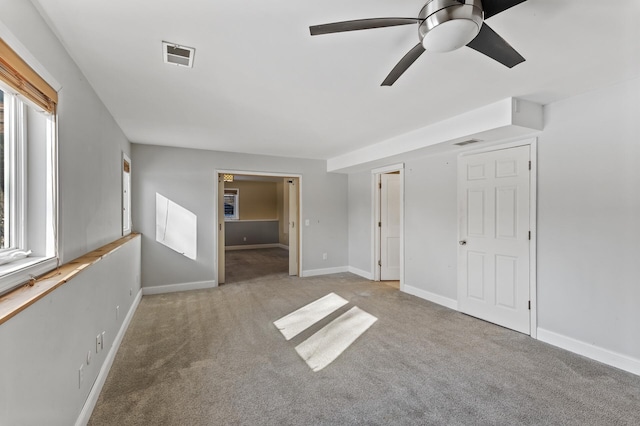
(251,264)
(214,357)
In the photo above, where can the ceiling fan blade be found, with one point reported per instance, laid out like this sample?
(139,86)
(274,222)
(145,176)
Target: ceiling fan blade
(493,7)
(360,24)
(489,43)
(404,63)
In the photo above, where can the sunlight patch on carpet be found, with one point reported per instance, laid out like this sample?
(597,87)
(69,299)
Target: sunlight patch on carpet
(326,345)
(296,322)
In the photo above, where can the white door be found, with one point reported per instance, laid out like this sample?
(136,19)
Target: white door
(221,253)
(390,200)
(493,262)
(293,226)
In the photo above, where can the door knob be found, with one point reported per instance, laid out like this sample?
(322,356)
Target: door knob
(462,243)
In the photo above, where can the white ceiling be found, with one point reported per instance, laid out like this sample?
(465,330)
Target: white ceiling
(261,84)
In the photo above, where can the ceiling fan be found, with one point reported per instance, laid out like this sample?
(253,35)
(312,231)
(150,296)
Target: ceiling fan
(443,26)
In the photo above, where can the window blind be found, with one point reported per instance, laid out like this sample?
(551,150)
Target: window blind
(22,78)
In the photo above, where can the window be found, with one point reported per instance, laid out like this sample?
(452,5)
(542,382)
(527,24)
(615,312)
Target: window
(231,204)
(12,169)
(28,171)
(2,191)
(126,195)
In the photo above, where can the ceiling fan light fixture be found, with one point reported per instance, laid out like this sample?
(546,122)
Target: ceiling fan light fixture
(443,26)
(450,35)
(449,25)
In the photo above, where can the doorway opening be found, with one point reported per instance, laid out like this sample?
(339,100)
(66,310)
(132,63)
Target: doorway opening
(257,225)
(388,225)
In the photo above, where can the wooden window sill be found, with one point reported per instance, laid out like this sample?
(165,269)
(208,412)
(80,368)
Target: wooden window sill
(22,297)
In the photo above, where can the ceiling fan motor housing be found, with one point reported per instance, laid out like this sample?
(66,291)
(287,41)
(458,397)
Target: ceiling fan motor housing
(449,24)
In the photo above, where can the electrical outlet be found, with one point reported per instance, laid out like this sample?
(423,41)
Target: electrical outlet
(324,256)
(98,342)
(80,375)
(306,222)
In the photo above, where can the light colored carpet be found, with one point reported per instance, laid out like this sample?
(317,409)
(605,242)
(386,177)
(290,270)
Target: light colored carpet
(214,357)
(392,284)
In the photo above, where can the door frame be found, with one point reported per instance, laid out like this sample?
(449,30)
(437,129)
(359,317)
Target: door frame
(375,218)
(533,185)
(217,173)
(294,229)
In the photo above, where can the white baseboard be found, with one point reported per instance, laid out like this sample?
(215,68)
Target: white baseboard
(431,297)
(360,272)
(325,271)
(172,288)
(606,356)
(92,399)
(256,246)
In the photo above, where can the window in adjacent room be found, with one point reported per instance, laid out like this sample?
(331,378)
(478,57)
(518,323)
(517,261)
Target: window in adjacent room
(231,204)
(28,172)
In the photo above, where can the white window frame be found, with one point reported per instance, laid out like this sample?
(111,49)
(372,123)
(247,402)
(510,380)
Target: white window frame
(14,176)
(15,235)
(26,267)
(126,196)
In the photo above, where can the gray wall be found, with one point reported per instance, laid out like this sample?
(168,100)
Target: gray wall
(187,177)
(50,339)
(588,210)
(431,224)
(360,221)
(242,233)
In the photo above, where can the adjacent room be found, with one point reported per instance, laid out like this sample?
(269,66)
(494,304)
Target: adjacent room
(268,213)
(256,227)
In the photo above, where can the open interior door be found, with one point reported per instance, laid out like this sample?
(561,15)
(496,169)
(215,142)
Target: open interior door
(390,200)
(221,257)
(294,225)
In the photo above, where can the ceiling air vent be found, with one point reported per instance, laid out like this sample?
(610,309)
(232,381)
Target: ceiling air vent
(175,54)
(467,142)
